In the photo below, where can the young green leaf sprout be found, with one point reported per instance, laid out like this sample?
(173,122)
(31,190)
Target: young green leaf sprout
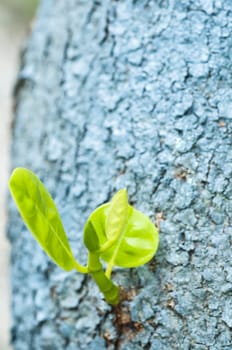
(115,232)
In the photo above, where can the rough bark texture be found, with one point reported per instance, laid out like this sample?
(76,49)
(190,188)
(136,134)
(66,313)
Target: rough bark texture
(136,94)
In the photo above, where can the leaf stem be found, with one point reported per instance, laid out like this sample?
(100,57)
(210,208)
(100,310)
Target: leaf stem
(80,268)
(106,286)
(108,244)
(109,269)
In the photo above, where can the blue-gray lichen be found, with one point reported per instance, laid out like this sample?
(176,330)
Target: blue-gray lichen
(136,94)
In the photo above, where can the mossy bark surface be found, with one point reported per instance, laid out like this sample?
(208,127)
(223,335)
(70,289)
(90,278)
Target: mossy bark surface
(134,94)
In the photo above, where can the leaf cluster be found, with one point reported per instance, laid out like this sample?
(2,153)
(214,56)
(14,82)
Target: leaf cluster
(115,232)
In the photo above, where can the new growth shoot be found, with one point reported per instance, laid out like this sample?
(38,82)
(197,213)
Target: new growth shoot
(115,232)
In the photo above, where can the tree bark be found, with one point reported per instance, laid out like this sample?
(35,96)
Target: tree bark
(133,94)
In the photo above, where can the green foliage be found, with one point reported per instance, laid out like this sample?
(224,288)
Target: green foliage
(134,239)
(115,232)
(115,221)
(41,216)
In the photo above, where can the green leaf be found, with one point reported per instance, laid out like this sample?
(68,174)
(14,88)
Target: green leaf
(91,240)
(137,243)
(113,225)
(117,215)
(40,214)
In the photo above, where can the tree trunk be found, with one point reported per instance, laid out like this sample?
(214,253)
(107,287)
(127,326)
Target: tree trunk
(132,94)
